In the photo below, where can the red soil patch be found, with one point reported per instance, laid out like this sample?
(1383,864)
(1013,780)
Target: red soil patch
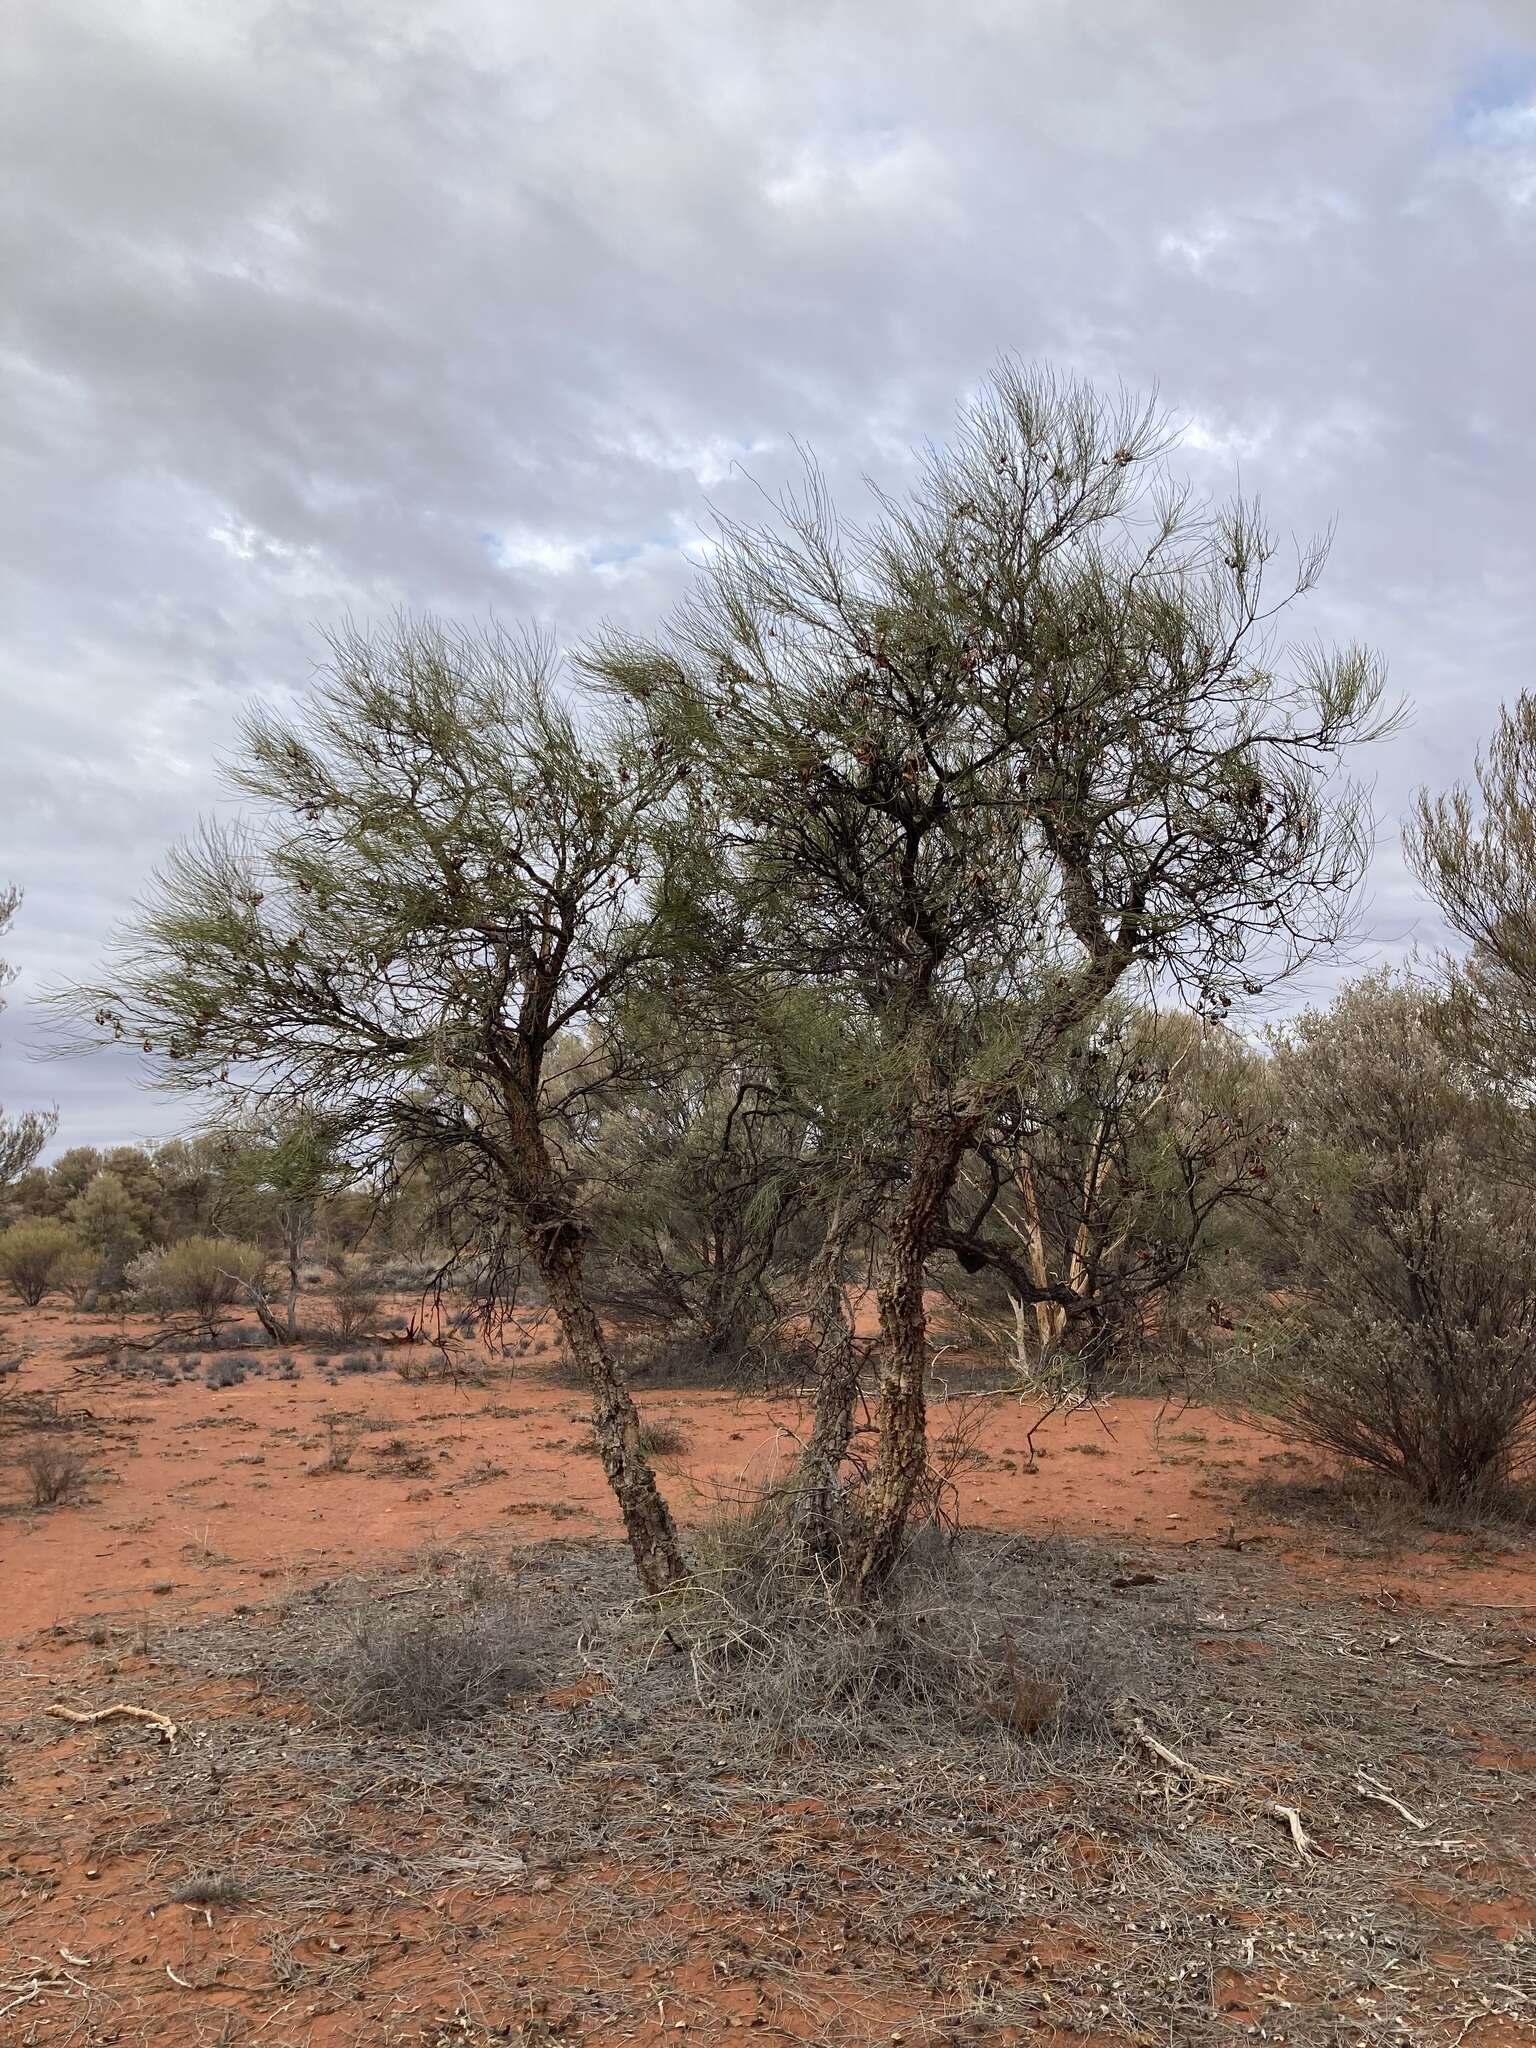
(204,1497)
(200,1499)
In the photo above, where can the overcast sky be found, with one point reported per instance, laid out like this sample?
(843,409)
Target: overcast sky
(310,308)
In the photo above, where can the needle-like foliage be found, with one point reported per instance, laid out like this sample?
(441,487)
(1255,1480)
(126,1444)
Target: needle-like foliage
(1025,734)
(445,879)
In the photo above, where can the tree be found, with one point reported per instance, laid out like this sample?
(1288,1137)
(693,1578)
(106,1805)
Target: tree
(1025,735)
(291,1170)
(105,1222)
(701,1228)
(1407,1339)
(1477,858)
(1094,1197)
(22,1137)
(448,879)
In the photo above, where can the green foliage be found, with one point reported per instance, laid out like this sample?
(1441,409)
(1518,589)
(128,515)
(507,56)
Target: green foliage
(444,885)
(1477,856)
(1109,1187)
(701,1227)
(107,1222)
(32,1252)
(1406,1341)
(968,769)
(202,1276)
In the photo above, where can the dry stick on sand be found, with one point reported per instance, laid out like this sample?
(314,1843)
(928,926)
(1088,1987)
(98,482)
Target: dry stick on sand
(167,1727)
(1306,1848)
(1467,1663)
(1174,1761)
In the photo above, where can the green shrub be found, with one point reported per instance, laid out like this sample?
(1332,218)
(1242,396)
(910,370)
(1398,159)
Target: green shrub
(31,1254)
(200,1276)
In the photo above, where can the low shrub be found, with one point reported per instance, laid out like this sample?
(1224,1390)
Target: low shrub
(354,1306)
(407,1674)
(968,1637)
(200,1276)
(1407,1343)
(662,1440)
(32,1256)
(55,1475)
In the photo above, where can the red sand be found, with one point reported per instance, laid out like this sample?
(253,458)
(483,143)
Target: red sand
(202,1499)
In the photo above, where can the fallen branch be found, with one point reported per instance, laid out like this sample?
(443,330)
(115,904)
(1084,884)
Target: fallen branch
(1305,1846)
(1143,1734)
(162,1722)
(1468,1663)
(1369,1787)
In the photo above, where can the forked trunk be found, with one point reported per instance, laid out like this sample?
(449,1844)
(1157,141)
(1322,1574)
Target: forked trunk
(615,1418)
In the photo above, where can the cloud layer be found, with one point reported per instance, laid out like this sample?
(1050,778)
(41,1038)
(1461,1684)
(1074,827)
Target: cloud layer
(323,307)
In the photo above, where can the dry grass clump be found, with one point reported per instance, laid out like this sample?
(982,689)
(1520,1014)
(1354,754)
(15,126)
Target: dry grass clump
(55,1475)
(965,1641)
(406,1673)
(662,1440)
(1387,1515)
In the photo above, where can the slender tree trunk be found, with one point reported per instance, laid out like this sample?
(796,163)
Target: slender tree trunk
(557,1241)
(1049,1316)
(817,1476)
(615,1418)
(902,1457)
(295,1249)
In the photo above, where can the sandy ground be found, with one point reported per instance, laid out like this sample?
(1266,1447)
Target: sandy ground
(203,1501)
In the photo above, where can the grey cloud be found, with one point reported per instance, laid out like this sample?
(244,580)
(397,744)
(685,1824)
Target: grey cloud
(316,307)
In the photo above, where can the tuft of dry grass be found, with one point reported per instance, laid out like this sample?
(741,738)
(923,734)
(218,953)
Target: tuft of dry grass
(55,1475)
(961,1642)
(419,1671)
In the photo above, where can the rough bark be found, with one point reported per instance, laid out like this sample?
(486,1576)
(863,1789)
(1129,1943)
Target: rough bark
(902,1456)
(817,1481)
(615,1419)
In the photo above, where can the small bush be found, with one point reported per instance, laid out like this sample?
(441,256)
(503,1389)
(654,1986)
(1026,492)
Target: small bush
(1407,1343)
(238,1338)
(340,1443)
(200,1276)
(32,1254)
(657,1440)
(973,1638)
(223,1372)
(54,1474)
(354,1305)
(662,1440)
(85,1277)
(407,1674)
(360,1361)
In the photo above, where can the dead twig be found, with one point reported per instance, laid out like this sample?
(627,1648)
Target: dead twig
(1143,1734)
(1306,1848)
(1467,1663)
(1372,1788)
(166,1727)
